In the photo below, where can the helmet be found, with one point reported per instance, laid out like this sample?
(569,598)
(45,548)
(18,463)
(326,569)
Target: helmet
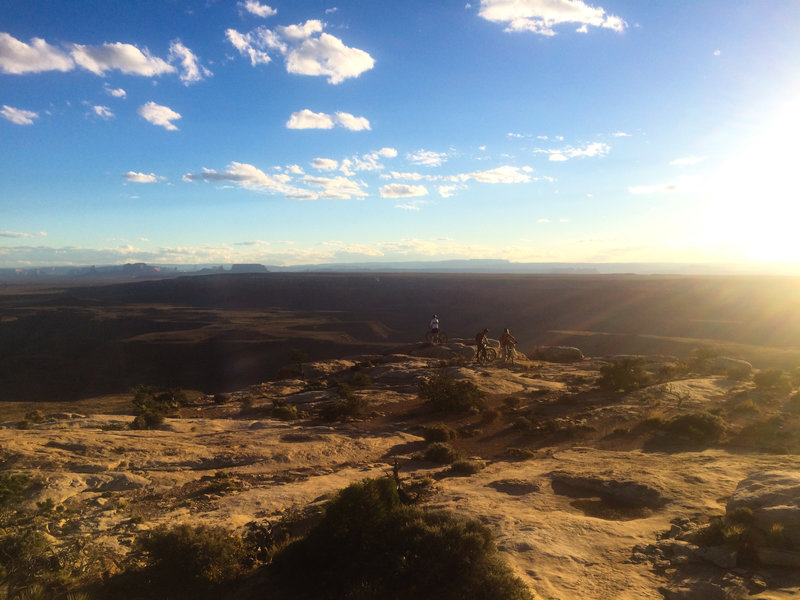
(435,316)
(505,330)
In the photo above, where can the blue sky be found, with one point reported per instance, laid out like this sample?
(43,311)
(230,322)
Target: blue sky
(296,132)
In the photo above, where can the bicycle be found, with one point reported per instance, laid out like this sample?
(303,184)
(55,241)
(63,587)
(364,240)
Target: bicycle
(509,353)
(436,338)
(486,354)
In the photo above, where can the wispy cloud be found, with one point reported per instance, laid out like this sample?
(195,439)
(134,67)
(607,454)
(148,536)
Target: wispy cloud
(103,112)
(306,49)
(427,158)
(157,114)
(115,92)
(16,234)
(18,116)
(402,190)
(191,69)
(591,150)
(540,16)
(687,161)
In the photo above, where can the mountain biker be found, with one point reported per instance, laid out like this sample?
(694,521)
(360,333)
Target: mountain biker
(434,325)
(507,342)
(482,340)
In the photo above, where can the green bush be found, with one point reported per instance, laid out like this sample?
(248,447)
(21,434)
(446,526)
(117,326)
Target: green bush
(624,374)
(183,557)
(438,433)
(773,380)
(26,558)
(284,412)
(465,468)
(697,427)
(350,406)
(441,453)
(151,405)
(11,487)
(442,393)
(369,545)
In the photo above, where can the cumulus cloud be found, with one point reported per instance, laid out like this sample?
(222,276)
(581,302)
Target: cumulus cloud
(504,174)
(325,164)
(402,190)
(103,112)
(157,114)
(307,119)
(115,92)
(18,116)
(135,177)
(243,174)
(540,16)
(126,58)
(256,8)
(17,57)
(427,158)
(339,187)
(306,49)
(191,69)
(447,191)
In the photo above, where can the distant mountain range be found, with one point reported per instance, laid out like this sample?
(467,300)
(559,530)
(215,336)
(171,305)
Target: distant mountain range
(145,271)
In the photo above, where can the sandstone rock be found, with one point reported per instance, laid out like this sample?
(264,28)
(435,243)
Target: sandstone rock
(718,555)
(557,354)
(723,364)
(619,492)
(774,498)
(778,558)
(326,368)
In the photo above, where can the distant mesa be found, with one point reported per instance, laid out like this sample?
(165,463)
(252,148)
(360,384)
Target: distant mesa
(249,268)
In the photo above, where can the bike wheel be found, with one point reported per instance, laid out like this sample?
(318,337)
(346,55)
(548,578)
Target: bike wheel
(429,337)
(491,354)
(442,337)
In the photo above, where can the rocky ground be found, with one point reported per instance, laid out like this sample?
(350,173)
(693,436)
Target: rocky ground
(586,497)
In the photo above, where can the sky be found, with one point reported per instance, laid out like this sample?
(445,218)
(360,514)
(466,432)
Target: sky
(326,131)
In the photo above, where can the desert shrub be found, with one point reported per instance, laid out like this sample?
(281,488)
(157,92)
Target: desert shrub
(701,356)
(284,412)
(465,468)
(697,427)
(369,545)
(625,374)
(512,402)
(739,372)
(34,416)
(349,406)
(11,487)
(771,435)
(514,453)
(441,453)
(24,424)
(773,380)
(360,380)
(735,530)
(26,558)
(438,433)
(442,393)
(490,415)
(222,398)
(298,357)
(523,423)
(189,558)
(151,405)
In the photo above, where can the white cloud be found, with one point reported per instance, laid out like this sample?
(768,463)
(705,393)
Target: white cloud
(18,116)
(306,50)
(16,234)
(409,176)
(103,112)
(191,70)
(447,191)
(306,119)
(687,161)
(402,190)
(295,170)
(115,92)
(427,158)
(325,164)
(351,122)
(159,115)
(336,187)
(246,176)
(124,57)
(620,134)
(17,57)
(256,8)
(592,150)
(135,177)
(504,174)
(540,16)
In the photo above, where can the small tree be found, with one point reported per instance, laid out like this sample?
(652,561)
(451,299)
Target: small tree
(625,374)
(445,394)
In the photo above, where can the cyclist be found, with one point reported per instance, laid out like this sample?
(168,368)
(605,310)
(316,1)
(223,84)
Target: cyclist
(507,343)
(482,340)
(433,326)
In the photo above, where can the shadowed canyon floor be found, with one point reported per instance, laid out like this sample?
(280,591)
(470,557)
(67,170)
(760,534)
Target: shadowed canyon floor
(586,496)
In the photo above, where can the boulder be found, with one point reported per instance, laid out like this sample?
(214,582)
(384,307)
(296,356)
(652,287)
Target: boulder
(557,354)
(774,498)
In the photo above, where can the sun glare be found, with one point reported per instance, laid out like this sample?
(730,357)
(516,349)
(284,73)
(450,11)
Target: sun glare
(754,203)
